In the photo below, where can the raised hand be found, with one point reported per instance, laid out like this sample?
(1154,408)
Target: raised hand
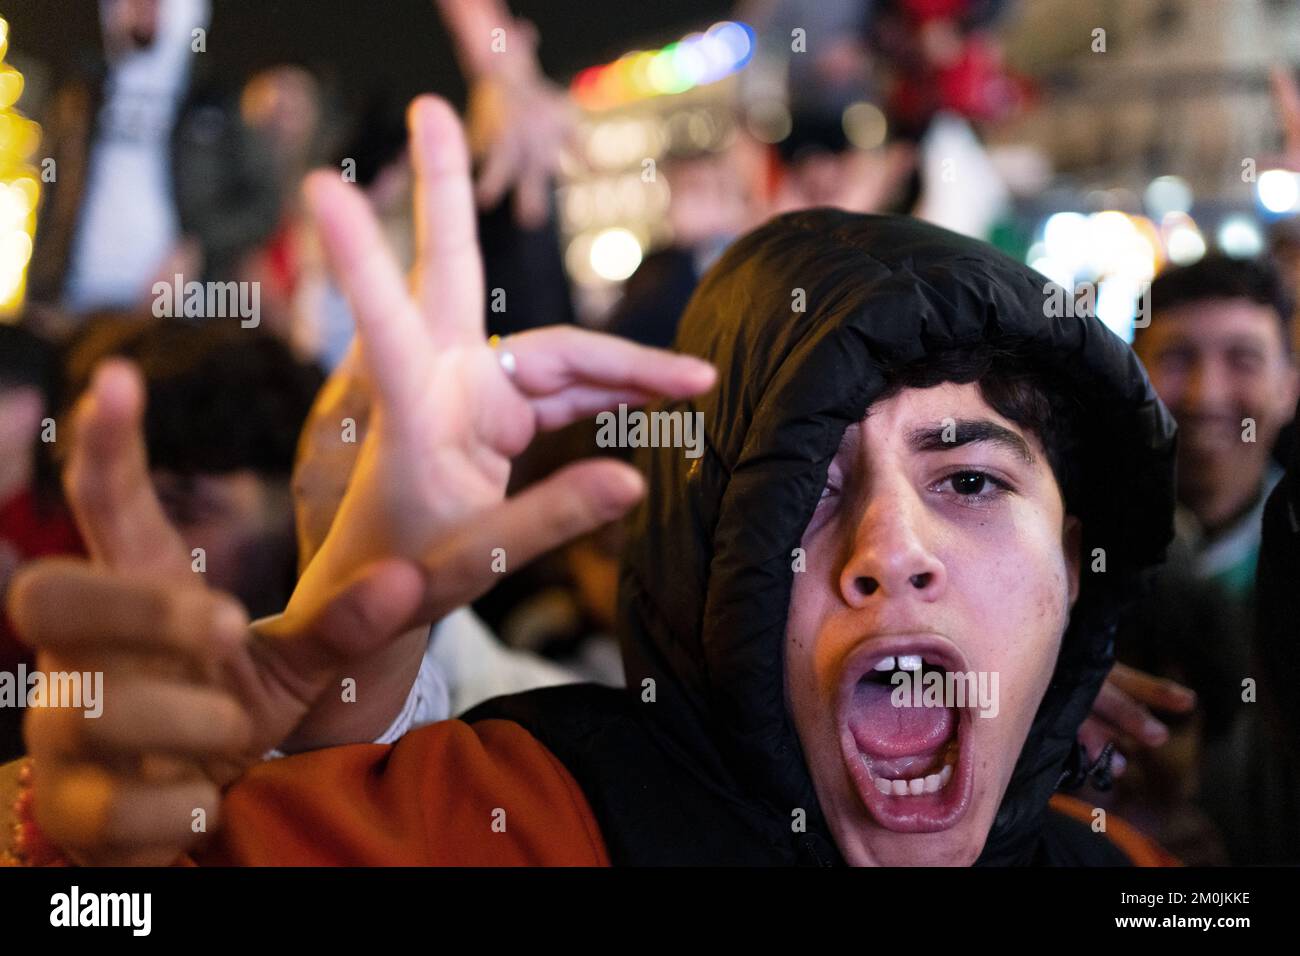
(445,416)
(521,125)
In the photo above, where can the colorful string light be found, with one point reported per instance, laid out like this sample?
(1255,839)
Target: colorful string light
(695,60)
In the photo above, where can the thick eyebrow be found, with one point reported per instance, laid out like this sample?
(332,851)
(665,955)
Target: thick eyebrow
(967,431)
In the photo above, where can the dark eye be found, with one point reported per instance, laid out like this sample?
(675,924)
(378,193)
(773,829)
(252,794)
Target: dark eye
(973,487)
(969,482)
(1244,360)
(1176,360)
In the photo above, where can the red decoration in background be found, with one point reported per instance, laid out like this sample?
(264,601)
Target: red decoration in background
(922,11)
(938,59)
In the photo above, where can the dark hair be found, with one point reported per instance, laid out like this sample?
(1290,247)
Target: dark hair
(1220,277)
(26,360)
(378,139)
(1009,381)
(221,398)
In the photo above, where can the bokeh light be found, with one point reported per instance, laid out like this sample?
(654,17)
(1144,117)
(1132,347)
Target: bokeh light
(615,254)
(695,60)
(20,188)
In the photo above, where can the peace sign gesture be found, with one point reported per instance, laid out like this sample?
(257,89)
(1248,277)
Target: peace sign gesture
(446,416)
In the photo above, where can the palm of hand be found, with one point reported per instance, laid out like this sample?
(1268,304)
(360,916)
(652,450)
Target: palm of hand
(439,462)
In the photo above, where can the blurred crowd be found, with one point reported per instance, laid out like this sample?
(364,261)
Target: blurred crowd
(166,172)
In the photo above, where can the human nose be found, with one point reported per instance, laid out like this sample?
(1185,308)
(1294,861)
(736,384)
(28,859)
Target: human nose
(1207,386)
(892,553)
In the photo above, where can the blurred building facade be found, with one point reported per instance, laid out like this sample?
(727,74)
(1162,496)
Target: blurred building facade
(1181,87)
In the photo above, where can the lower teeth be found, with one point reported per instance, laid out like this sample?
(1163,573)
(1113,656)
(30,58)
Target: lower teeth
(916,786)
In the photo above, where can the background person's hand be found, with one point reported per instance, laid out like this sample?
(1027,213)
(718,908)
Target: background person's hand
(1124,712)
(521,126)
(190,697)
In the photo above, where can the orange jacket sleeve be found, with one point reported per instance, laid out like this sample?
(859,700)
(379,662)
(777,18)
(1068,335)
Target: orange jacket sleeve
(449,794)
(1137,846)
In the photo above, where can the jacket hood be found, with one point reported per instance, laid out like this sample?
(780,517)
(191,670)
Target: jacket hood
(707,573)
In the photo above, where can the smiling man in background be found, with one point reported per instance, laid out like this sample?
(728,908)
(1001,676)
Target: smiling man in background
(1218,350)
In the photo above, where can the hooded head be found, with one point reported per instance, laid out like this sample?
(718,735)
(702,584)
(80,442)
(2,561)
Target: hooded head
(885,479)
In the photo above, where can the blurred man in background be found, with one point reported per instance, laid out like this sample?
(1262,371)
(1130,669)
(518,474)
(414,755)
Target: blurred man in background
(155,173)
(1218,350)
(225,406)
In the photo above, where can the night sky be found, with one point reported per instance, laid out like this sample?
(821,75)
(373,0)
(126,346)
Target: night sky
(367,45)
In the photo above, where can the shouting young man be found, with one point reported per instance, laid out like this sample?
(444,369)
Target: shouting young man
(909,473)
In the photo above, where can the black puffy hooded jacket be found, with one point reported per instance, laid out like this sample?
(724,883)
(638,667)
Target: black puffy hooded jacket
(711,771)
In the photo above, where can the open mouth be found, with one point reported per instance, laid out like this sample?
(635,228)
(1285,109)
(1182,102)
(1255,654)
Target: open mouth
(910,764)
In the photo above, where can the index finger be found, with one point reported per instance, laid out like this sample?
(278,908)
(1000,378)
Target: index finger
(1128,716)
(556,357)
(1158,692)
(68,605)
(393,339)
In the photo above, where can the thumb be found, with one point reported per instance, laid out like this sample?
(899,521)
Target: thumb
(359,617)
(107,478)
(572,502)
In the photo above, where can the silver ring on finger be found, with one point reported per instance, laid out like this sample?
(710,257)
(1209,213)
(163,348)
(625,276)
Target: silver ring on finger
(509,364)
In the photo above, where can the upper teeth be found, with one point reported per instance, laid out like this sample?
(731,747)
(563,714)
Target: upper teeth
(906,662)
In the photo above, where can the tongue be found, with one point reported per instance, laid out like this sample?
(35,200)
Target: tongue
(884,730)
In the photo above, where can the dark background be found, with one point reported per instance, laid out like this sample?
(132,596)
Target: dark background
(360,46)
